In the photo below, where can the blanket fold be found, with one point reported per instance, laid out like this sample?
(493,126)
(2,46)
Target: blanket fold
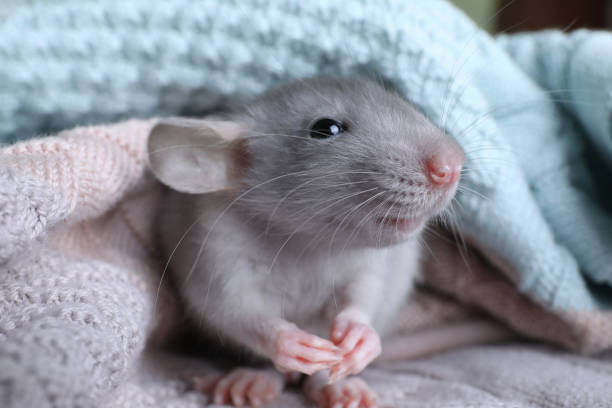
(575,71)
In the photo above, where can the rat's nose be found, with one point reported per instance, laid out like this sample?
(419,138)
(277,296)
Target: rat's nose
(444,167)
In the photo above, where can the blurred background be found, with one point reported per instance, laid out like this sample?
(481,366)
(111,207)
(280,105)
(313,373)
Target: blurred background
(494,15)
(521,15)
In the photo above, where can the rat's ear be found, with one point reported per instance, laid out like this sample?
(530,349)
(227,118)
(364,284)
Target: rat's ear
(197,156)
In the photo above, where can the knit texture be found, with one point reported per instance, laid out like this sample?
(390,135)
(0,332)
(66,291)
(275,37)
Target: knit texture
(509,376)
(82,293)
(525,123)
(78,284)
(79,271)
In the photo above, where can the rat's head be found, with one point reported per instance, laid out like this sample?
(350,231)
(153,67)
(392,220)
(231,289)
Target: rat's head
(326,157)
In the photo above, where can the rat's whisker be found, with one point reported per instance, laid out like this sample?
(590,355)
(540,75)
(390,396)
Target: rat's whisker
(510,108)
(345,218)
(310,218)
(456,70)
(423,242)
(363,222)
(346,215)
(308,203)
(505,149)
(312,180)
(457,202)
(382,226)
(188,146)
(460,94)
(254,134)
(460,241)
(399,217)
(326,229)
(464,189)
(224,211)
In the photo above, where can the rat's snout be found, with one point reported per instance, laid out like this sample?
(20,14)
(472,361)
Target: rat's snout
(443,167)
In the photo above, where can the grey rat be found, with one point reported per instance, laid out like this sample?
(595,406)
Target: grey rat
(293,227)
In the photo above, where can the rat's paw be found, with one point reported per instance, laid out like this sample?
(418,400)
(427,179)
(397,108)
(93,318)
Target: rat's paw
(296,350)
(242,386)
(347,393)
(359,344)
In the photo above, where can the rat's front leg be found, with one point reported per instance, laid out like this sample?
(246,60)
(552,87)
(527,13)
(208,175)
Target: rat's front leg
(286,345)
(358,342)
(351,329)
(292,349)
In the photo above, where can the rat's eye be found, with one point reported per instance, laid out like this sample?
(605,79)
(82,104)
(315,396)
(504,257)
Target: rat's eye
(325,128)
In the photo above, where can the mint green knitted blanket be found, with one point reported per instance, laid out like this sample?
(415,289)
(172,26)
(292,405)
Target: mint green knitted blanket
(532,111)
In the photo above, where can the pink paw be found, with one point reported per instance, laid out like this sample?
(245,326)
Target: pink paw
(358,343)
(347,393)
(296,350)
(241,386)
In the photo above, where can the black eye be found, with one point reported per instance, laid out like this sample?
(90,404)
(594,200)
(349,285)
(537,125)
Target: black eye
(326,128)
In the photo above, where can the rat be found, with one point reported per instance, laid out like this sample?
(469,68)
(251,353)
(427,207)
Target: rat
(292,227)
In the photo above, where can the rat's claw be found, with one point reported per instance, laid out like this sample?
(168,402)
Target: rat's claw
(241,386)
(347,393)
(359,343)
(296,350)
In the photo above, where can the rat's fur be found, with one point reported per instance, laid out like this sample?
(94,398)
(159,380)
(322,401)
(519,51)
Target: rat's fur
(300,239)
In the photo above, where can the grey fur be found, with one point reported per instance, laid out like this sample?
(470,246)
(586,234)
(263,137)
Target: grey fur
(299,239)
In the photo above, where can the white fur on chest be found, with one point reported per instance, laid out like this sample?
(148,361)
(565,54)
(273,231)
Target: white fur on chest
(239,268)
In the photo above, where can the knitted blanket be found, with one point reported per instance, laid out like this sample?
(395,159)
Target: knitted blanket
(82,295)
(79,282)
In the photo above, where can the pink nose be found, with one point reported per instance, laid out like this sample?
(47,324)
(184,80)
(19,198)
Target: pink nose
(444,167)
